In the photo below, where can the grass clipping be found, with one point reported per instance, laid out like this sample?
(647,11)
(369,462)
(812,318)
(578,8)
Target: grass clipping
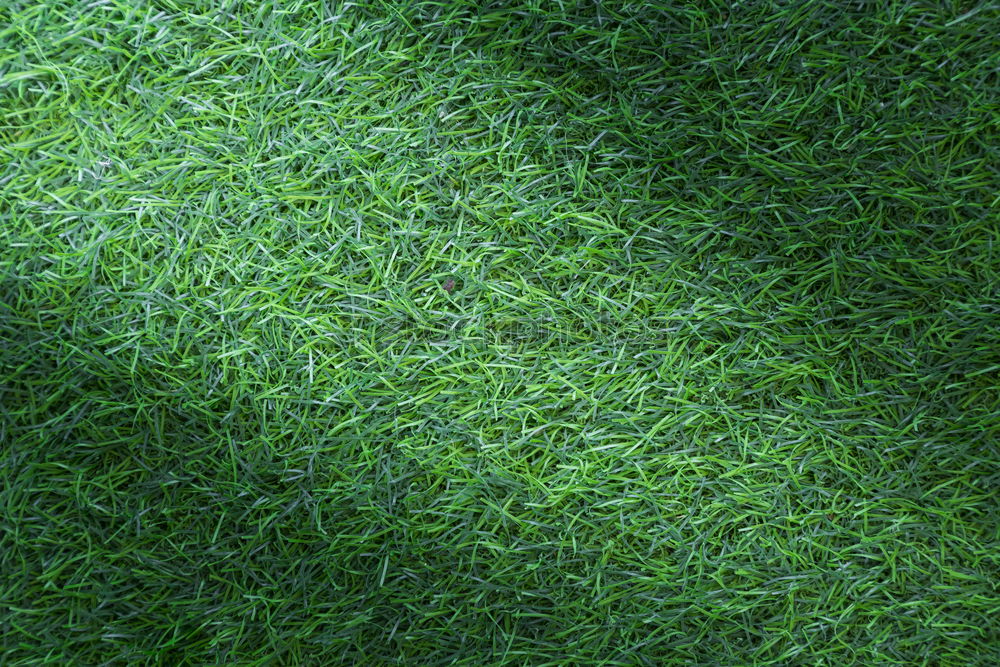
(517,333)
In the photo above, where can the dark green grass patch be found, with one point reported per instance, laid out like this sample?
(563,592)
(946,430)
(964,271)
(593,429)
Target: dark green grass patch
(537,333)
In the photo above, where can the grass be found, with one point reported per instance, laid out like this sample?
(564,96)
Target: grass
(499,333)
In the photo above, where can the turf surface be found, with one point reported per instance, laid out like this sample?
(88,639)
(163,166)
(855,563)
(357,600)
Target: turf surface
(515,333)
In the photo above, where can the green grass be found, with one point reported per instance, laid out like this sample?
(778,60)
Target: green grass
(518,333)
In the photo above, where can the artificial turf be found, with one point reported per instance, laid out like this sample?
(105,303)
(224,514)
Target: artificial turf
(499,333)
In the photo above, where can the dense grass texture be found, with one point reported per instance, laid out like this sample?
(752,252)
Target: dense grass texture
(547,333)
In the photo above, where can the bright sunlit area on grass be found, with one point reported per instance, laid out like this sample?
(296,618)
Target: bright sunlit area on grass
(510,333)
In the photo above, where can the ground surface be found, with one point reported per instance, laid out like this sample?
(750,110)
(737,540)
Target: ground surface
(516,333)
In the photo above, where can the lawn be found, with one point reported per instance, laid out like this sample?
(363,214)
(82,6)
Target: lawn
(512,333)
